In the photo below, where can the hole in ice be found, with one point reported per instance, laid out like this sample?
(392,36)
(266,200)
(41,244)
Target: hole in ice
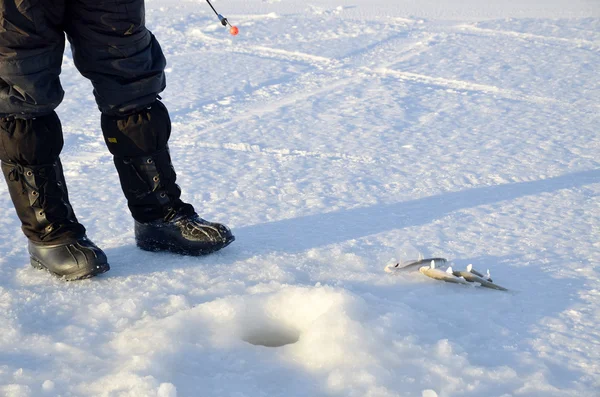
(271,335)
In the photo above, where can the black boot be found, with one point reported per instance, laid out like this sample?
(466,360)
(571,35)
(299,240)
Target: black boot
(57,242)
(183,234)
(162,221)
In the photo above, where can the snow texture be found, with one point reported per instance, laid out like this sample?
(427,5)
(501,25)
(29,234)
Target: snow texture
(334,137)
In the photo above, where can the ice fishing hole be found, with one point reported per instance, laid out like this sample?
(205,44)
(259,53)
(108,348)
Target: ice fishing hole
(271,335)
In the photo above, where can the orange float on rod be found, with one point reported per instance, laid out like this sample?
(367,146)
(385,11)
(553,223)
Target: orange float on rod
(232,29)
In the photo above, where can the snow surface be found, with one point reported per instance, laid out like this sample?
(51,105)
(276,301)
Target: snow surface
(335,137)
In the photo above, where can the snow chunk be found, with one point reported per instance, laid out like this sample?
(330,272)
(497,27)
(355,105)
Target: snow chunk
(15,391)
(167,390)
(48,385)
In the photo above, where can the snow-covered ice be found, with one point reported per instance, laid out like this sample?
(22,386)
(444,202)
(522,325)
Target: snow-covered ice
(330,136)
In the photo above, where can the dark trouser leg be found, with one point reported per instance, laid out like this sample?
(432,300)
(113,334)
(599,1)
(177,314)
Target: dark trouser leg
(31,48)
(113,48)
(31,51)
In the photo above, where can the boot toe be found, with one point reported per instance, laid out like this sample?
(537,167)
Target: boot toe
(74,261)
(187,236)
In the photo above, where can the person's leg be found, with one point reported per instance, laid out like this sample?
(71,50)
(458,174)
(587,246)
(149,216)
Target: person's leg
(113,48)
(31,51)
(31,44)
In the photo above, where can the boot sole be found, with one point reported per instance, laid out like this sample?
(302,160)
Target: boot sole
(80,275)
(158,246)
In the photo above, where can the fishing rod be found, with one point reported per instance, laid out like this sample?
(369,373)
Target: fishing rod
(232,29)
